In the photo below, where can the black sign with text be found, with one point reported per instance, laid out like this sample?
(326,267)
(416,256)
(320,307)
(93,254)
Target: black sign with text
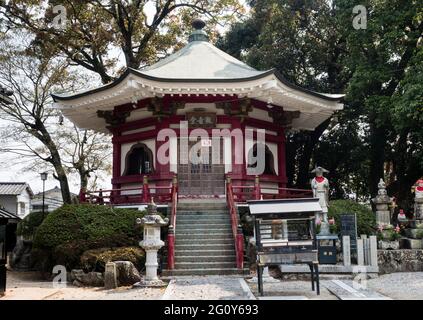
(349,228)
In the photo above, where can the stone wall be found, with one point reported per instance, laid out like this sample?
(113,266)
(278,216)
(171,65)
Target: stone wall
(400,260)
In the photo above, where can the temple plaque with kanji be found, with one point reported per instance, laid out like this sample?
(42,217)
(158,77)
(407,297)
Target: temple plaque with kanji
(201,120)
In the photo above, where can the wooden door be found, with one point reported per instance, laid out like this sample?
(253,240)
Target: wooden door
(203,173)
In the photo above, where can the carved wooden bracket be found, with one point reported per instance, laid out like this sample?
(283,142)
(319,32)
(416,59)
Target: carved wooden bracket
(245,107)
(113,118)
(156,107)
(283,118)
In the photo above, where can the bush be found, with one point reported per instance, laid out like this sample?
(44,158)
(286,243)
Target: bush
(366,221)
(95,260)
(72,229)
(28,226)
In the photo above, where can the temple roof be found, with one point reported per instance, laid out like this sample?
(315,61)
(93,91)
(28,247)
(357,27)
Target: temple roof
(201,60)
(198,69)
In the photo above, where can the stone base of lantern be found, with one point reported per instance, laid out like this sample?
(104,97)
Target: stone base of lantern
(150,283)
(383,217)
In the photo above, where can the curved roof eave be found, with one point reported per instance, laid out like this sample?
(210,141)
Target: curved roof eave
(128,71)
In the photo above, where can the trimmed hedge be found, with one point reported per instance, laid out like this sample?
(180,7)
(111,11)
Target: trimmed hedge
(28,226)
(366,220)
(72,229)
(96,259)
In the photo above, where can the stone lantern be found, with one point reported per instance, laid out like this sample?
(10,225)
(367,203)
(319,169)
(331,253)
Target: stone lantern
(382,202)
(152,222)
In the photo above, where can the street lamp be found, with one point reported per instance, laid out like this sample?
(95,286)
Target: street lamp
(44,178)
(5,95)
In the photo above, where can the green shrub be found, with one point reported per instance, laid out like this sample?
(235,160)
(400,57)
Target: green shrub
(28,226)
(72,229)
(419,234)
(366,222)
(96,259)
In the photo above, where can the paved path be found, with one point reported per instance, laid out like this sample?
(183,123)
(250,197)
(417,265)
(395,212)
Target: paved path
(347,290)
(28,286)
(208,288)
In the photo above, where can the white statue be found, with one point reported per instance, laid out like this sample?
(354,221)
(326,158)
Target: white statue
(418,191)
(320,187)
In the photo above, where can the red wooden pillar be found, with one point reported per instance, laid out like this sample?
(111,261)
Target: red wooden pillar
(117,166)
(237,148)
(162,170)
(171,248)
(145,190)
(240,248)
(257,188)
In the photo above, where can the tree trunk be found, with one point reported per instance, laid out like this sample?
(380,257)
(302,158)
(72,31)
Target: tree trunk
(377,156)
(55,160)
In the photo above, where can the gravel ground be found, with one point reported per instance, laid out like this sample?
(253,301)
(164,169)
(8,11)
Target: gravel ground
(399,286)
(28,286)
(297,290)
(207,288)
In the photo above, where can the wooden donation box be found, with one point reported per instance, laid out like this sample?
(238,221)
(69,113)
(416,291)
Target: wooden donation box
(285,234)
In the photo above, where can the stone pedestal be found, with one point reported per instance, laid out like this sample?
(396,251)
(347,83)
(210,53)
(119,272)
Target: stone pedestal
(407,243)
(382,202)
(418,208)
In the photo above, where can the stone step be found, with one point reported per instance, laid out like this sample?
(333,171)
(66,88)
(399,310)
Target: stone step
(229,246)
(196,258)
(202,206)
(203,252)
(185,223)
(203,272)
(204,265)
(203,241)
(202,224)
(202,212)
(204,231)
(203,218)
(196,236)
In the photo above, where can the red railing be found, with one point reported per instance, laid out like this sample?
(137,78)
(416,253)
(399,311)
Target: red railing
(242,193)
(236,227)
(140,195)
(172,227)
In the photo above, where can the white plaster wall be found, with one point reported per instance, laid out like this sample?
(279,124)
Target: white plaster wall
(9,203)
(139,130)
(26,199)
(173,154)
(273,147)
(151,143)
(260,114)
(227,154)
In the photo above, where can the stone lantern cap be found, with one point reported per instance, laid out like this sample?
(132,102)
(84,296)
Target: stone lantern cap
(152,218)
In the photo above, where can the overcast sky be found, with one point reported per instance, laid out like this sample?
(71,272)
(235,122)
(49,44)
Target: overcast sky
(11,166)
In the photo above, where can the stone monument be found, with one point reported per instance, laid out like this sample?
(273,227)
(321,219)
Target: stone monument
(382,202)
(414,230)
(151,243)
(320,187)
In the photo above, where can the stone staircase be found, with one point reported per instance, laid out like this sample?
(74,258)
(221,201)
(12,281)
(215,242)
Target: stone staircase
(204,242)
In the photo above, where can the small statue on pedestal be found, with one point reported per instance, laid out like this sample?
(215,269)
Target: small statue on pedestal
(418,200)
(320,187)
(382,203)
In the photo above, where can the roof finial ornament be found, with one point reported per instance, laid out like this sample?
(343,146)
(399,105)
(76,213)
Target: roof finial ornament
(198,34)
(198,24)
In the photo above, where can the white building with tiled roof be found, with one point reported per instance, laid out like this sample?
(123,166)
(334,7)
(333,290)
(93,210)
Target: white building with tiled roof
(15,197)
